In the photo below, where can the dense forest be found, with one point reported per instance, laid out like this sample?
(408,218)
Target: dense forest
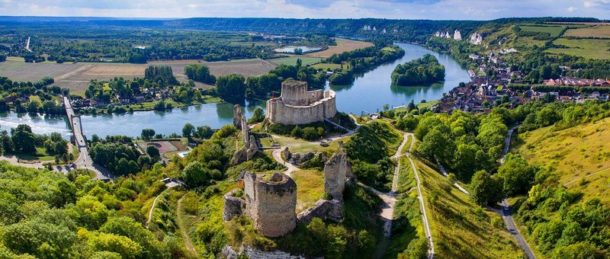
(421,71)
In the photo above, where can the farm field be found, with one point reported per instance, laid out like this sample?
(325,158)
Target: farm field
(343,45)
(293,60)
(76,76)
(586,48)
(597,31)
(552,30)
(460,228)
(580,155)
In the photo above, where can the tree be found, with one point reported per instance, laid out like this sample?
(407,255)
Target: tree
(204,132)
(24,140)
(147,134)
(153,152)
(437,144)
(257,116)
(517,175)
(160,74)
(200,73)
(231,88)
(417,249)
(187,130)
(194,175)
(485,189)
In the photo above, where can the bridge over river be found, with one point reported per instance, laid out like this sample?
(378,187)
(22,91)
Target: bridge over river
(84,160)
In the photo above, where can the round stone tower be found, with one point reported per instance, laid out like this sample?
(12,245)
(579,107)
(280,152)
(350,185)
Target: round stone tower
(271,203)
(294,92)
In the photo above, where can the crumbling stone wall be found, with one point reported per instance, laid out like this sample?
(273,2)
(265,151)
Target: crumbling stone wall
(297,106)
(271,203)
(336,170)
(324,209)
(252,253)
(251,147)
(234,206)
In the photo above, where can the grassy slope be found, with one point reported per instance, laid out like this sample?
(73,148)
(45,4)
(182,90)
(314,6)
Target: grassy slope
(460,229)
(587,48)
(407,216)
(598,31)
(310,188)
(580,155)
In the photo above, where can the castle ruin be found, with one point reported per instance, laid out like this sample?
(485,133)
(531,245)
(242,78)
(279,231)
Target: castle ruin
(270,201)
(251,146)
(336,171)
(298,106)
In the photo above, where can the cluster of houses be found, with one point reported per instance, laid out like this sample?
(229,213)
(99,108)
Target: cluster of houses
(571,81)
(483,92)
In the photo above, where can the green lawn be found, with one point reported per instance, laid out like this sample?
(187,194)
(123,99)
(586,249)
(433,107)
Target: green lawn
(586,48)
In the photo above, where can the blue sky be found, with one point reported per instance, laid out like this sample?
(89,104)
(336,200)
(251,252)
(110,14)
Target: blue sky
(395,9)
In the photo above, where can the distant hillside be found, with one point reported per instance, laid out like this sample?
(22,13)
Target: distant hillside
(580,156)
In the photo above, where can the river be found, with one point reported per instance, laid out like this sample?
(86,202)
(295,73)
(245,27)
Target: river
(369,93)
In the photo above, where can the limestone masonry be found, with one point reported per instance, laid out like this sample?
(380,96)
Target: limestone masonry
(296,105)
(269,201)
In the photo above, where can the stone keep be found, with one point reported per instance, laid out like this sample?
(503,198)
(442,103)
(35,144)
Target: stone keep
(336,170)
(271,203)
(297,106)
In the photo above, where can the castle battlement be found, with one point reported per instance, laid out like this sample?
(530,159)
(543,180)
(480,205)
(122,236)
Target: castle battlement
(297,105)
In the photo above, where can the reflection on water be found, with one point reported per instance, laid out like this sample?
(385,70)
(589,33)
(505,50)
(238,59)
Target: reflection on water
(372,90)
(40,124)
(369,93)
(214,115)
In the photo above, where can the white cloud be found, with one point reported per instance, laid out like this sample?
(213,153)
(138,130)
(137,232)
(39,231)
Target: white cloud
(397,9)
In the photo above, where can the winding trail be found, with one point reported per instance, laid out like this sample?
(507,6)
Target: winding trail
(422,204)
(506,213)
(290,168)
(457,185)
(152,208)
(185,236)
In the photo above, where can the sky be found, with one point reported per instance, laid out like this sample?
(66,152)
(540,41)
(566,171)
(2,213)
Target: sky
(391,9)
